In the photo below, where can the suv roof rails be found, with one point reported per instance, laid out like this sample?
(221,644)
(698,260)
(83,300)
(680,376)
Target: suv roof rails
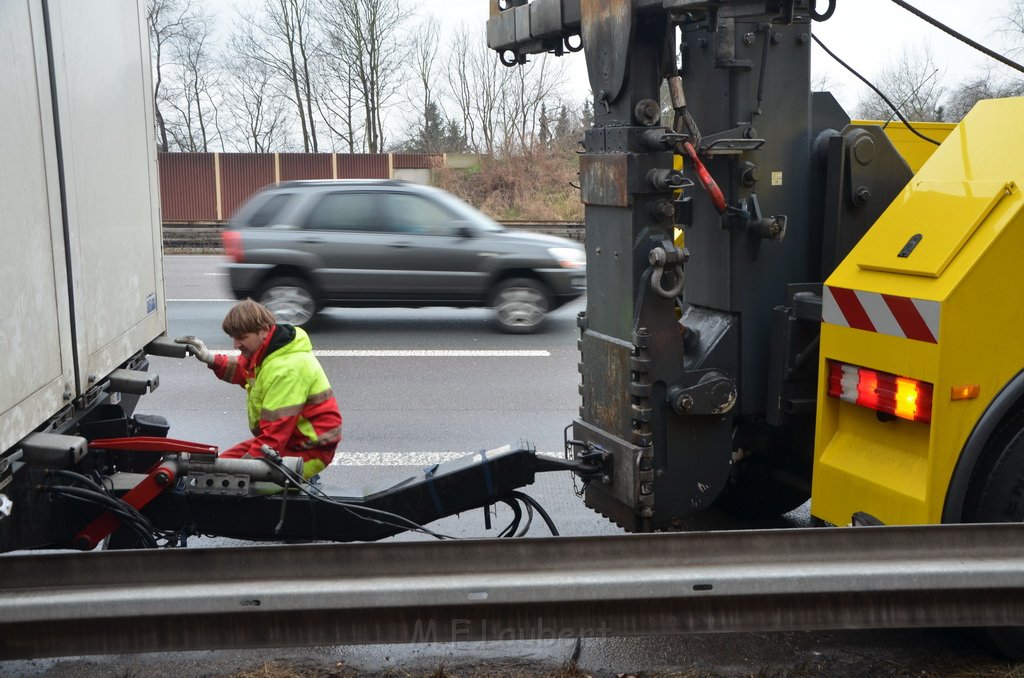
(330,182)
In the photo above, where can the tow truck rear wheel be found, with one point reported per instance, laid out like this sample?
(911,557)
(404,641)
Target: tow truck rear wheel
(768,477)
(996,495)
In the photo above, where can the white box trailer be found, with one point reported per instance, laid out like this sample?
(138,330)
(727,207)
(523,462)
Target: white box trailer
(81,282)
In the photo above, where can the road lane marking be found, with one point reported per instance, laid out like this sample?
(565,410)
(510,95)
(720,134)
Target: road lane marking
(432,353)
(419,353)
(342,458)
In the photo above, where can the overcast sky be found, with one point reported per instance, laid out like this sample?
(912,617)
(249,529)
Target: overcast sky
(865,33)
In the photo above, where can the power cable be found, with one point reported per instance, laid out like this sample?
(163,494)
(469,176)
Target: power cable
(317,494)
(129,516)
(874,89)
(407,524)
(517,515)
(959,36)
(530,501)
(529,520)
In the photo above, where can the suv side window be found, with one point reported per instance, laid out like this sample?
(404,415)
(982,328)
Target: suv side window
(266,212)
(346,211)
(409,213)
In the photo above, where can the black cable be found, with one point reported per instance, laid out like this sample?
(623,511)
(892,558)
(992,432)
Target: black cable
(540,509)
(130,519)
(95,483)
(303,486)
(517,515)
(960,36)
(91,483)
(873,89)
(529,520)
(114,504)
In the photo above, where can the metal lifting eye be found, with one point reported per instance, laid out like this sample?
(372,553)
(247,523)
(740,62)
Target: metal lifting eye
(569,47)
(508,58)
(675,290)
(823,16)
(661,259)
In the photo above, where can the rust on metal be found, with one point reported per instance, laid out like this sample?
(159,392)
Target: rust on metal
(607,28)
(604,179)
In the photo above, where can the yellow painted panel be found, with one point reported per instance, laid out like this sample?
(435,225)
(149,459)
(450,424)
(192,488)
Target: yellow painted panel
(940,215)
(913,148)
(862,464)
(873,466)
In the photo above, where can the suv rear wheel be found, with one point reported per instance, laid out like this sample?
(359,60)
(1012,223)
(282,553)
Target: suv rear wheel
(291,300)
(520,305)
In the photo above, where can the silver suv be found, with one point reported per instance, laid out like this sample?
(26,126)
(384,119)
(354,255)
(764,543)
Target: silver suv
(301,246)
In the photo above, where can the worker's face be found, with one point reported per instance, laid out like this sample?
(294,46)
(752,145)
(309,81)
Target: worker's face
(250,341)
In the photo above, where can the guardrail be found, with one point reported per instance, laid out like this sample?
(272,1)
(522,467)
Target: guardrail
(204,238)
(334,594)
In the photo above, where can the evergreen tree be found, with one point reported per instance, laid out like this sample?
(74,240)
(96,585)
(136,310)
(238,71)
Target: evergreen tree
(563,126)
(544,132)
(437,134)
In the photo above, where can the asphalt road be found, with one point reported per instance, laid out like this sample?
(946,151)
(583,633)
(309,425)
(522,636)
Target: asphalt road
(400,390)
(405,405)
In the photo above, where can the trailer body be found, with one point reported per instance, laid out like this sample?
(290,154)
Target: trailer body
(82,277)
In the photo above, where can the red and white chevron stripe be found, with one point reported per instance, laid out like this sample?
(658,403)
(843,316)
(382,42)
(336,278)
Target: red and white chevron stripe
(882,313)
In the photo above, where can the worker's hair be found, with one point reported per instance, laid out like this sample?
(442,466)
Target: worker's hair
(247,316)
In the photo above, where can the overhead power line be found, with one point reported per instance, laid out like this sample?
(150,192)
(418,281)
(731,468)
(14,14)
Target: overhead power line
(960,36)
(895,109)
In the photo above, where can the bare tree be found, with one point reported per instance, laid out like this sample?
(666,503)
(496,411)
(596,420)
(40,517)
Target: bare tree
(282,40)
(530,87)
(500,107)
(338,101)
(194,126)
(477,84)
(911,82)
(1015,26)
(422,62)
(258,122)
(167,21)
(459,85)
(963,98)
(364,33)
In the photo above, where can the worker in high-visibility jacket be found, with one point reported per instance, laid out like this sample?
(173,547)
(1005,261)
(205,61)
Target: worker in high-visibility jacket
(289,400)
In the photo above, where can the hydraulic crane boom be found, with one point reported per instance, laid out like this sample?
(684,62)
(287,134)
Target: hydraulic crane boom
(704,391)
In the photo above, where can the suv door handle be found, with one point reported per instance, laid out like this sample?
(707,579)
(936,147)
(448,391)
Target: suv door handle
(400,245)
(311,241)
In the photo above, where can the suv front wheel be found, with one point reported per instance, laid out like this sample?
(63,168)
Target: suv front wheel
(290,300)
(520,305)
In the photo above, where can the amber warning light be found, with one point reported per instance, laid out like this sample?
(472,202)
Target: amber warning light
(899,396)
(965,392)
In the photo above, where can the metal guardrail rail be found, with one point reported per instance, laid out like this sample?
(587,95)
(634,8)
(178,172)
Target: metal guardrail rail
(190,237)
(329,594)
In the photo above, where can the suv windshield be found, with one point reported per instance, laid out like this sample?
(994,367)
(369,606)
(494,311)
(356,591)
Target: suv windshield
(467,212)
